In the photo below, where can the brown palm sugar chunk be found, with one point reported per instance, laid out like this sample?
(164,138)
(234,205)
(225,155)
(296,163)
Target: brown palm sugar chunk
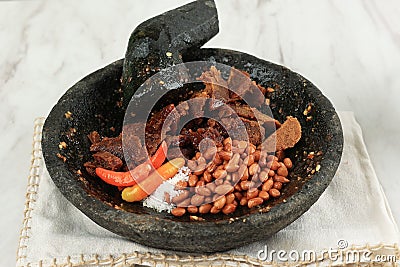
(216,86)
(107,160)
(134,147)
(265,119)
(109,144)
(240,84)
(94,137)
(254,131)
(285,137)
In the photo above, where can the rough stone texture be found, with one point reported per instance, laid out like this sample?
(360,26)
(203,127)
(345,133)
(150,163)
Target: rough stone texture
(160,41)
(92,111)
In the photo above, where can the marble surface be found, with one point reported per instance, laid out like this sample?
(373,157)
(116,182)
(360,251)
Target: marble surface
(350,49)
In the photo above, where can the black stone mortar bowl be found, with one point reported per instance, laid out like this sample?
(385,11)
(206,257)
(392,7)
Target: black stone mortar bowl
(93,104)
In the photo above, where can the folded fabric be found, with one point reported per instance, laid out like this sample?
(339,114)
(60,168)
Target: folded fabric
(351,215)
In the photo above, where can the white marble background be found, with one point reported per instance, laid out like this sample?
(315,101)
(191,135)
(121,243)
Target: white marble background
(350,49)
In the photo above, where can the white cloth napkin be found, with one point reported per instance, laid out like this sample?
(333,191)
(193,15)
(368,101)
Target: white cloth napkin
(353,210)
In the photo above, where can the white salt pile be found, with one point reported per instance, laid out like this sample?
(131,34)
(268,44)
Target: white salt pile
(157,199)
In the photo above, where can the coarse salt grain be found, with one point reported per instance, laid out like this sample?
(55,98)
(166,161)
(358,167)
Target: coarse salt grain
(157,199)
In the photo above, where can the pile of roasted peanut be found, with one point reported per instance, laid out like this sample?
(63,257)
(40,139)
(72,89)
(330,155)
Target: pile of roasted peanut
(228,175)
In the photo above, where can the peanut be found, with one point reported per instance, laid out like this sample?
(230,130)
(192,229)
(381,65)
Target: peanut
(226,181)
(255,178)
(184,203)
(208,199)
(181,185)
(252,193)
(220,173)
(288,163)
(214,210)
(192,209)
(244,174)
(230,198)
(271,173)
(217,159)
(227,140)
(207,176)
(223,189)
(242,144)
(220,167)
(233,164)
(245,185)
(250,149)
(274,192)
(199,169)
(249,160)
(254,202)
(256,155)
(215,197)
(211,186)
(227,144)
(220,202)
(178,212)
(225,155)
(205,208)
(191,164)
(263,176)
(235,177)
(203,191)
(210,152)
(237,150)
(243,201)
(264,195)
(263,159)
(197,200)
(192,181)
(282,170)
(200,183)
(229,208)
(277,185)
(267,185)
(211,167)
(238,195)
(228,147)
(278,178)
(274,165)
(238,188)
(272,158)
(179,198)
(219,182)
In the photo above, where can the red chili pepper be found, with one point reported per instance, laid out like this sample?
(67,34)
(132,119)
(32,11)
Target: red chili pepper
(154,180)
(159,157)
(139,173)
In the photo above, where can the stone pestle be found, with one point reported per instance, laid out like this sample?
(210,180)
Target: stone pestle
(161,41)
